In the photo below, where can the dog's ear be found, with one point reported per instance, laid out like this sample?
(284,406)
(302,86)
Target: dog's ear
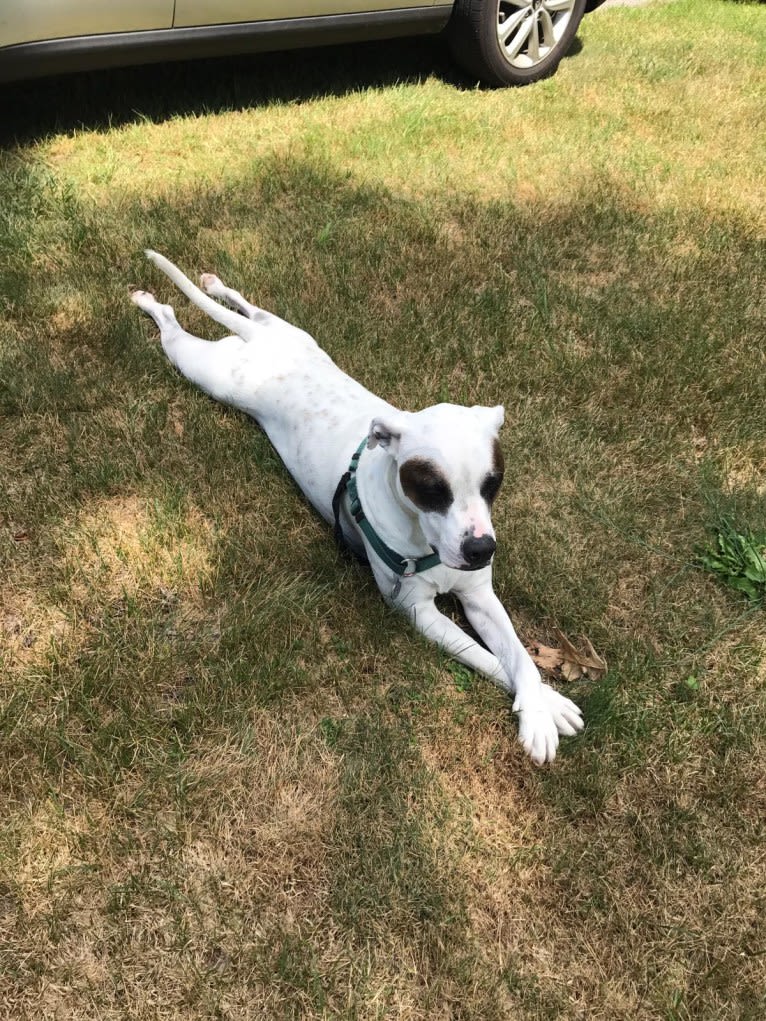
(492,417)
(386,432)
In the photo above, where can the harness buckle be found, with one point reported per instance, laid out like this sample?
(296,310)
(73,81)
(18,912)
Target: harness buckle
(410,568)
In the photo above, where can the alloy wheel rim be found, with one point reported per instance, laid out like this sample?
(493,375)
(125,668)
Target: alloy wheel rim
(529,30)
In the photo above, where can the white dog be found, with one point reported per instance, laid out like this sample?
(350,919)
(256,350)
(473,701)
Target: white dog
(411,490)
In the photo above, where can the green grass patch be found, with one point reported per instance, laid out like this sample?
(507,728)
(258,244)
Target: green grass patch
(738,559)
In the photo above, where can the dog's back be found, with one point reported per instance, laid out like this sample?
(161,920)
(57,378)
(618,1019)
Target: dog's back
(313,413)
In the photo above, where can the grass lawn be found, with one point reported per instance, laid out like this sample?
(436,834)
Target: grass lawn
(233,785)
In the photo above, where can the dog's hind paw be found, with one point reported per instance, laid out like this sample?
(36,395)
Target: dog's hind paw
(211,284)
(142,298)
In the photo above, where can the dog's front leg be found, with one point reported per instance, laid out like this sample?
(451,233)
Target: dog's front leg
(543,712)
(425,616)
(415,598)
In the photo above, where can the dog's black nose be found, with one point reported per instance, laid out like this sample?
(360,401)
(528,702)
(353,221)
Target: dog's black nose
(478,552)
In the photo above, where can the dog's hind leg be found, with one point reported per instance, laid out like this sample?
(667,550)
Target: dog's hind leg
(236,321)
(209,364)
(216,288)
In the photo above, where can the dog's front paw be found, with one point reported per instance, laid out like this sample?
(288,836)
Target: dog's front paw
(542,717)
(566,715)
(538,732)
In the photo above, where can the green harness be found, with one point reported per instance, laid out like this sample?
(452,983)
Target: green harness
(403,566)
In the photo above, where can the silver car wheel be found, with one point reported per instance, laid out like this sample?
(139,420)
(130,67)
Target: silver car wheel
(528,30)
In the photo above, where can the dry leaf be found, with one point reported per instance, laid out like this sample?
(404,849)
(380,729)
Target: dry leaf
(596,664)
(577,664)
(567,661)
(571,671)
(545,657)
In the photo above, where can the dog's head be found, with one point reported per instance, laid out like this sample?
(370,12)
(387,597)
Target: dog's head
(449,470)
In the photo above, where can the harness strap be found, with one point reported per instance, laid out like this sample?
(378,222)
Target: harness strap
(337,530)
(403,566)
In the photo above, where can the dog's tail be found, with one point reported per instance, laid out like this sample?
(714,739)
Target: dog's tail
(226,317)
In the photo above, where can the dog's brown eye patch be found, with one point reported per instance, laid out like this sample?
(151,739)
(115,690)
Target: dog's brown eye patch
(425,485)
(490,487)
(492,482)
(498,461)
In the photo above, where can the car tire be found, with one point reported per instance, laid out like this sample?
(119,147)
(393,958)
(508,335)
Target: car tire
(513,42)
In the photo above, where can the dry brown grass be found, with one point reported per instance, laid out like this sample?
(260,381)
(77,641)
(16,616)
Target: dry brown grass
(188,897)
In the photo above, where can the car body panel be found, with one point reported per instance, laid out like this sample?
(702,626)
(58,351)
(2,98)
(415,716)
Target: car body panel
(24,21)
(118,49)
(202,12)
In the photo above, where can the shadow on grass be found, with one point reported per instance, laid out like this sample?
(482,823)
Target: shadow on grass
(606,375)
(155,92)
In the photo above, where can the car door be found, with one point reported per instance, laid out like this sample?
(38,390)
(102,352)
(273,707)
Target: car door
(221,12)
(26,21)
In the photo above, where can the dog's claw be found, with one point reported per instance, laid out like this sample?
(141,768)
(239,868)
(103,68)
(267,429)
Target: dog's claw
(566,715)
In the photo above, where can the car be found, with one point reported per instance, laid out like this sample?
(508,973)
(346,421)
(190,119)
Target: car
(498,42)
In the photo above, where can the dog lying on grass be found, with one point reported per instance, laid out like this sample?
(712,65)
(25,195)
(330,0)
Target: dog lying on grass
(411,491)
